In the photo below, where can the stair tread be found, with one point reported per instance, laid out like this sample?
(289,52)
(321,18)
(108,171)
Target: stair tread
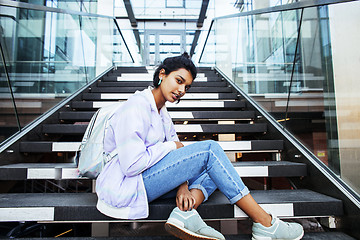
(228,146)
(188,96)
(23,171)
(307,236)
(186,104)
(81,206)
(180,128)
(134,89)
(147,83)
(175,115)
(73,165)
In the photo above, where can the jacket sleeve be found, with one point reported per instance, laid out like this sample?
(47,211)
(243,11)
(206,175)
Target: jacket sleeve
(130,131)
(173,135)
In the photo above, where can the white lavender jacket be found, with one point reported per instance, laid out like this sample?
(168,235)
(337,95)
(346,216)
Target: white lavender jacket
(141,137)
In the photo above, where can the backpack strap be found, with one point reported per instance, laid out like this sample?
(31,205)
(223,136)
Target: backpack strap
(109,156)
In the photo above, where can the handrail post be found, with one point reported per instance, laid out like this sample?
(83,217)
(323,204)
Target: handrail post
(9,84)
(293,67)
(83,50)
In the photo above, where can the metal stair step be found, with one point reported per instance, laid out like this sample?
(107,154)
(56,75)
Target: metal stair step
(175,115)
(134,89)
(307,236)
(125,96)
(130,69)
(80,207)
(180,128)
(66,171)
(145,84)
(228,146)
(186,104)
(149,78)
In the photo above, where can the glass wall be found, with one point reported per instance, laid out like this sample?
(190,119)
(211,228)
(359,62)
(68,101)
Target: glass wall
(46,57)
(316,69)
(89,6)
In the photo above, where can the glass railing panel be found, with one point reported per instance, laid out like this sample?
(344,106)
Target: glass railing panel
(306,108)
(327,105)
(51,55)
(79,6)
(226,33)
(121,55)
(263,52)
(206,56)
(319,79)
(101,30)
(8,120)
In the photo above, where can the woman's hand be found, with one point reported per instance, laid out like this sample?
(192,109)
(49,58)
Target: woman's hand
(185,201)
(179,145)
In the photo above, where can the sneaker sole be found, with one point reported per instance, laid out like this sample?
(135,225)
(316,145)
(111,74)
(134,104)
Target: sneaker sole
(254,237)
(184,233)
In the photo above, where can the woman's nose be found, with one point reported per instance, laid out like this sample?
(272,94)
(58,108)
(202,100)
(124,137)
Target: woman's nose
(182,89)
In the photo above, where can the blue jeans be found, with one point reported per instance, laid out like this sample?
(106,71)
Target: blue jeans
(204,164)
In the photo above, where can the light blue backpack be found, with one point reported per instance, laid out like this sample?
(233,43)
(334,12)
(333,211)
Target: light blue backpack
(91,157)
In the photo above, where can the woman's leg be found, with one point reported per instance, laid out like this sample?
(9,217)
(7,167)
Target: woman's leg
(190,162)
(206,166)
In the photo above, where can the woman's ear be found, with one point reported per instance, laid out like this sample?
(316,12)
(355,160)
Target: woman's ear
(162,73)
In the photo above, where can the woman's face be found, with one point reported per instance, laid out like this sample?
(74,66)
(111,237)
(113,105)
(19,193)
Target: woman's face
(175,85)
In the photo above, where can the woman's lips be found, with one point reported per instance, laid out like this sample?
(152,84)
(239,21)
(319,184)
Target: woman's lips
(175,96)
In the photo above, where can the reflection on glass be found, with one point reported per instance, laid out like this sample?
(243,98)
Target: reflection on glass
(320,79)
(8,120)
(207,54)
(49,56)
(169,45)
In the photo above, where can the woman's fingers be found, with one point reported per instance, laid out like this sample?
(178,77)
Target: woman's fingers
(185,203)
(179,145)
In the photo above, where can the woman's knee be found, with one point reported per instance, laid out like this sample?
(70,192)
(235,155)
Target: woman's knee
(214,145)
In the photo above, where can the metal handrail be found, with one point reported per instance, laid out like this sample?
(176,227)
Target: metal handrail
(10,88)
(293,66)
(10,3)
(15,4)
(286,7)
(117,25)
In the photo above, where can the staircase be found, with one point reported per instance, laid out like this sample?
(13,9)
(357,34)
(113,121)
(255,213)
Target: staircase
(40,183)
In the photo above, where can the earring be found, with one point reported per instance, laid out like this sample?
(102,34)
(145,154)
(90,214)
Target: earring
(159,81)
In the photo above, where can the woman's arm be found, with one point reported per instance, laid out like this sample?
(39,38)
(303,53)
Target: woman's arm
(130,130)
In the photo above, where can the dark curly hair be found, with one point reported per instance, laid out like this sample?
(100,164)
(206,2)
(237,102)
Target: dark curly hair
(171,64)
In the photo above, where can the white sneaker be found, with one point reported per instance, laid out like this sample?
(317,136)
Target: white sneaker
(277,230)
(189,226)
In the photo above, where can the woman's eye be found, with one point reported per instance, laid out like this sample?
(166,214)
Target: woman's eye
(178,80)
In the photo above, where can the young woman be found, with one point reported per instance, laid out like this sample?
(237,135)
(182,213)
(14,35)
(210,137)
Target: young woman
(151,162)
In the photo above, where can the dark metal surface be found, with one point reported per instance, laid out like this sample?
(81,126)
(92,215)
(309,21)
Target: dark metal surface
(198,115)
(307,236)
(145,84)
(133,89)
(130,13)
(97,96)
(207,128)
(227,105)
(81,206)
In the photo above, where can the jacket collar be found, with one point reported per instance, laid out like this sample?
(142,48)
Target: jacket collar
(150,97)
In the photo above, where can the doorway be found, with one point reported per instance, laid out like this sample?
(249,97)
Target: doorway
(160,44)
